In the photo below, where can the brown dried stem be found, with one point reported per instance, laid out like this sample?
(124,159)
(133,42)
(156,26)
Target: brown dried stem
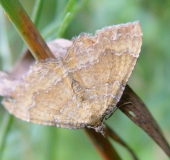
(131,105)
(110,133)
(102,144)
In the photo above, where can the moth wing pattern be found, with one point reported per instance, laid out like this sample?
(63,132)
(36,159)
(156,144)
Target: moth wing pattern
(82,87)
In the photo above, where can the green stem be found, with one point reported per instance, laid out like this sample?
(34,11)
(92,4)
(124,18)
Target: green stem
(7,121)
(25,27)
(64,25)
(37,11)
(58,27)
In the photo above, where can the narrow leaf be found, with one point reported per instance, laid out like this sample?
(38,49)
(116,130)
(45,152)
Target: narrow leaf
(131,105)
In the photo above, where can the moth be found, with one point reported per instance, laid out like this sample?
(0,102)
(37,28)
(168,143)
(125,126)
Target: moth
(80,87)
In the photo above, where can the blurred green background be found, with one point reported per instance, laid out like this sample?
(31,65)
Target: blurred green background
(150,79)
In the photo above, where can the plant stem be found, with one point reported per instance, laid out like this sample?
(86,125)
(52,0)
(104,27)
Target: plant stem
(25,27)
(7,121)
(37,11)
